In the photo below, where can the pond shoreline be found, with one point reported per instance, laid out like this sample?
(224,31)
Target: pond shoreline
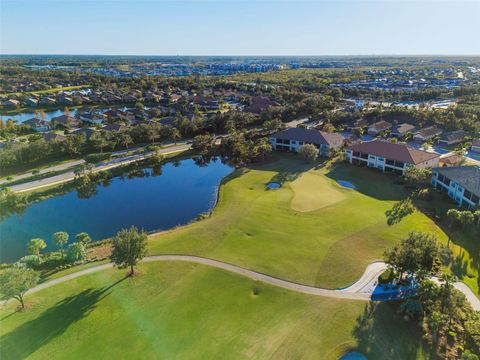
(195,195)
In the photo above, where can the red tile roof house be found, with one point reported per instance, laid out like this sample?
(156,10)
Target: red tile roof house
(291,140)
(475,146)
(378,127)
(401,130)
(427,134)
(389,157)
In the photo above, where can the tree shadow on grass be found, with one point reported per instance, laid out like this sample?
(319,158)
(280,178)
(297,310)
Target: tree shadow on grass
(383,334)
(466,237)
(32,335)
(460,266)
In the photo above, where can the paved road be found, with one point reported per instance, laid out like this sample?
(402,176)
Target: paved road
(63,166)
(60,167)
(360,290)
(70,175)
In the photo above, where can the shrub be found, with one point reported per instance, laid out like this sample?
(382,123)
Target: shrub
(387,276)
(309,152)
(203,216)
(30,261)
(19,265)
(153,147)
(95,158)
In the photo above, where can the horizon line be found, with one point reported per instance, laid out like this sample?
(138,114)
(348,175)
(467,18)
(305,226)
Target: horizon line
(244,55)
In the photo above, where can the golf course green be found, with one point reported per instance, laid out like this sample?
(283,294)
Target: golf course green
(311,230)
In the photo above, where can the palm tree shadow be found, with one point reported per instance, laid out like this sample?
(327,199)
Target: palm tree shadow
(383,334)
(32,335)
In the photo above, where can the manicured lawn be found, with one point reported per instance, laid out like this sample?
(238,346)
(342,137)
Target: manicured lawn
(325,239)
(186,311)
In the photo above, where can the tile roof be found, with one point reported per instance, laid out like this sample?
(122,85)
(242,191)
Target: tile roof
(454,135)
(310,136)
(393,151)
(429,131)
(402,128)
(381,125)
(466,176)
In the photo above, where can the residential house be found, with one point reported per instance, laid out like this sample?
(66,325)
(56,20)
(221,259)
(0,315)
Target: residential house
(137,93)
(47,101)
(112,98)
(402,130)
(130,98)
(32,102)
(204,103)
(64,99)
(475,146)
(87,131)
(389,157)
(169,120)
(260,103)
(65,121)
(92,118)
(427,133)
(461,183)
(292,139)
(452,138)
(11,103)
(379,127)
(450,160)
(114,127)
(358,124)
(38,124)
(152,97)
(49,137)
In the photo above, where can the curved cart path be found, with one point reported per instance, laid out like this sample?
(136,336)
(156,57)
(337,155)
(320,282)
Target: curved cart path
(360,290)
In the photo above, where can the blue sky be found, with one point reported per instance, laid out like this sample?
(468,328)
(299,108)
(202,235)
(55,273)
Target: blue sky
(236,27)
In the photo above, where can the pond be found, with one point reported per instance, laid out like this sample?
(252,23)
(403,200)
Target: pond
(346,184)
(21,117)
(273,186)
(177,196)
(353,355)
